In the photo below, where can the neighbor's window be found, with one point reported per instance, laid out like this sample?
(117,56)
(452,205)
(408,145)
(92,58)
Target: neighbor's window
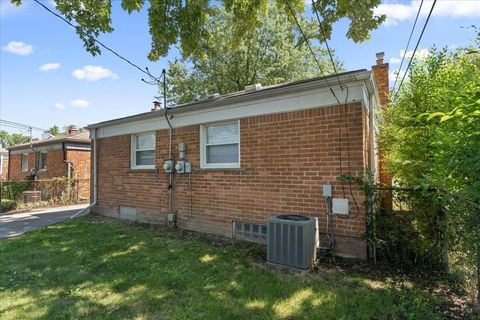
(220,145)
(42,161)
(24,162)
(143,151)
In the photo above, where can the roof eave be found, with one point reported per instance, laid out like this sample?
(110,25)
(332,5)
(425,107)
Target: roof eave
(344,78)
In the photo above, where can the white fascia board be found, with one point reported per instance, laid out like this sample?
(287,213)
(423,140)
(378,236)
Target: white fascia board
(302,100)
(45,148)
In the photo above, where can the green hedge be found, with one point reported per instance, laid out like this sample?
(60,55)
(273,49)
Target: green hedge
(12,190)
(8,205)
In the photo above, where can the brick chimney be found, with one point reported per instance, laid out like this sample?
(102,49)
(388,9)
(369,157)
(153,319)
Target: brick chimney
(380,73)
(72,129)
(156,106)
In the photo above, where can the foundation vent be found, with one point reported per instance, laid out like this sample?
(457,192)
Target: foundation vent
(250,231)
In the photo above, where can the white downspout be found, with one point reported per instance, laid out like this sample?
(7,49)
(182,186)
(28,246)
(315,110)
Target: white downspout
(87,209)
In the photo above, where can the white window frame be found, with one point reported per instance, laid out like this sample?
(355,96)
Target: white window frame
(21,162)
(133,150)
(40,159)
(203,147)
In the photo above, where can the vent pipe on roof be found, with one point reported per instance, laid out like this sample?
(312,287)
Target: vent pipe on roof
(253,87)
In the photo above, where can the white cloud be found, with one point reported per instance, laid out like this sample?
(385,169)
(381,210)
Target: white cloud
(49,66)
(59,106)
(93,73)
(79,103)
(397,12)
(395,60)
(420,54)
(393,75)
(18,47)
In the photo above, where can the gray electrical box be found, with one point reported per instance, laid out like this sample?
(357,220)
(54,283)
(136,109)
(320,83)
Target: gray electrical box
(340,206)
(168,166)
(327,191)
(183,166)
(181,150)
(180,166)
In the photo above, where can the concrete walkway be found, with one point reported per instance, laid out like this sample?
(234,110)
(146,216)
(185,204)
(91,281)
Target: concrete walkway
(16,223)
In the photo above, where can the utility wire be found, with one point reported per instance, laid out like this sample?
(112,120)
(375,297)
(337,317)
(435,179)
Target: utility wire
(325,39)
(408,43)
(322,30)
(20,125)
(310,48)
(415,50)
(99,43)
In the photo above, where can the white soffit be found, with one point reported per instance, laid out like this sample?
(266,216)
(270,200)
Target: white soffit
(303,100)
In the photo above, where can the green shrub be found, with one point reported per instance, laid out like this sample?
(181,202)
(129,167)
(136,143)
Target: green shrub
(12,189)
(8,205)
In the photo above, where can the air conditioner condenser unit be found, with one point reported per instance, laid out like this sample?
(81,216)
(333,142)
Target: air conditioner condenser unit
(292,241)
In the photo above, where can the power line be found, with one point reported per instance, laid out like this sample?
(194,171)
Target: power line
(415,50)
(100,43)
(310,48)
(408,43)
(322,30)
(17,125)
(325,39)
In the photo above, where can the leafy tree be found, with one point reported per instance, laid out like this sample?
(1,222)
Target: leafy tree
(431,134)
(272,53)
(12,139)
(183,22)
(54,130)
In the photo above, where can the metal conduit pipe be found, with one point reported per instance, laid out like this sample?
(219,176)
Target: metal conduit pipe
(170,134)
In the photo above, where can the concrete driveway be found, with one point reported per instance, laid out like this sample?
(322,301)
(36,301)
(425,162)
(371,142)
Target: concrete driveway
(14,224)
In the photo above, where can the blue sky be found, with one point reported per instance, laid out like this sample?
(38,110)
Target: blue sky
(47,78)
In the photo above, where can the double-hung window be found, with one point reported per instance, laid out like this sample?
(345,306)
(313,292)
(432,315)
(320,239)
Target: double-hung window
(143,151)
(42,161)
(220,145)
(24,162)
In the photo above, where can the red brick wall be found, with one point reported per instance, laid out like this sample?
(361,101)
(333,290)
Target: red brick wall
(81,164)
(4,175)
(15,171)
(285,160)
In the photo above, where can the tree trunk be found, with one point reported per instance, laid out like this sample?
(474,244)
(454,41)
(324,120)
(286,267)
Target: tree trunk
(446,267)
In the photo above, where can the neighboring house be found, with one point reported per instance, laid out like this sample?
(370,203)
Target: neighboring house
(59,156)
(254,154)
(3,164)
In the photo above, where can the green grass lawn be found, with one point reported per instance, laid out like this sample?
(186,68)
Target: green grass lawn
(99,269)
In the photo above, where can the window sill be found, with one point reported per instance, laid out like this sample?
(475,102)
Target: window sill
(222,169)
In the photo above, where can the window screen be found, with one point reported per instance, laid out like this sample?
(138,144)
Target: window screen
(222,143)
(42,161)
(143,150)
(24,163)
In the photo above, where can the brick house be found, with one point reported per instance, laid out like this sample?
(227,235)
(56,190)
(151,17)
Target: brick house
(3,164)
(59,156)
(260,152)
